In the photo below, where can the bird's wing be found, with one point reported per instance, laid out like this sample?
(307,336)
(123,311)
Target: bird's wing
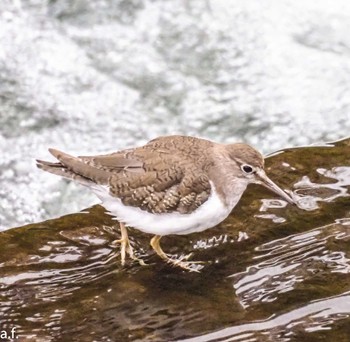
(175,188)
(115,162)
(157,181)
(154,180)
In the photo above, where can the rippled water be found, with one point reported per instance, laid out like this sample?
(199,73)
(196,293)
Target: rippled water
(91,76)
(273,272)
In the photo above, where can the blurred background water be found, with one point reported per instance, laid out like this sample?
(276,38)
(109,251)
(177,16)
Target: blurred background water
(90,76)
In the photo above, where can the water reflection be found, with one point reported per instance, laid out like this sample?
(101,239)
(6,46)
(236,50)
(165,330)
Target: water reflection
(318,315)
(284,263)
(310,193)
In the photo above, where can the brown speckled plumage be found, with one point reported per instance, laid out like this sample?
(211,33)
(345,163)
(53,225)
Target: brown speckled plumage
(168,174)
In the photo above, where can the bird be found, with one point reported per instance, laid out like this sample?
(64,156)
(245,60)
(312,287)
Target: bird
(172,185)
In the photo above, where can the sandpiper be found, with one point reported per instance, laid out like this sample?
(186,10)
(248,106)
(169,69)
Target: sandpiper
(172,185)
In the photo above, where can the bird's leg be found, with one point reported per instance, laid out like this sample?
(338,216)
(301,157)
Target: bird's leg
(187,265)
(156,246)
(126,246)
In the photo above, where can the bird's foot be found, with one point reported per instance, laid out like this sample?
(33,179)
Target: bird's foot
(192,266)
(188,256)
(125,246)
(182,262)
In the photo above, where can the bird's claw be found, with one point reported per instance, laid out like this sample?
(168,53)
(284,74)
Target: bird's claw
(192,266)
(125,246)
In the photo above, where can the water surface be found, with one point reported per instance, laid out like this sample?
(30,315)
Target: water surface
(273,272)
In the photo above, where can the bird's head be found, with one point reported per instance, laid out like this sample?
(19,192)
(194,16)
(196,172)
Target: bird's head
(249,165)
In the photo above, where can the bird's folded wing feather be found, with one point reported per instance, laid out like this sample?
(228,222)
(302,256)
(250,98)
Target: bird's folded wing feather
(154,181)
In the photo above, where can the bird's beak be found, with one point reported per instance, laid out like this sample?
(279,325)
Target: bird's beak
(268,183)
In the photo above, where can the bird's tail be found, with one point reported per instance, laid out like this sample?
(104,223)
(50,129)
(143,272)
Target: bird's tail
(73,168)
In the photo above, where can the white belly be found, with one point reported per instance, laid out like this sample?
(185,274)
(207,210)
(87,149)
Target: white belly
(209,214)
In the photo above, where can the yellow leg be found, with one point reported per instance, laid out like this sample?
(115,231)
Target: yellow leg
(156,246)
(187,265)
(126,246)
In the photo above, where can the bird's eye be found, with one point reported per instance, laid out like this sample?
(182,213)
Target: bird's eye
(247,169)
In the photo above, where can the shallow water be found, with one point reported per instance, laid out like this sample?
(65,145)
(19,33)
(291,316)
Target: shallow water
(90,76)
(273,272)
